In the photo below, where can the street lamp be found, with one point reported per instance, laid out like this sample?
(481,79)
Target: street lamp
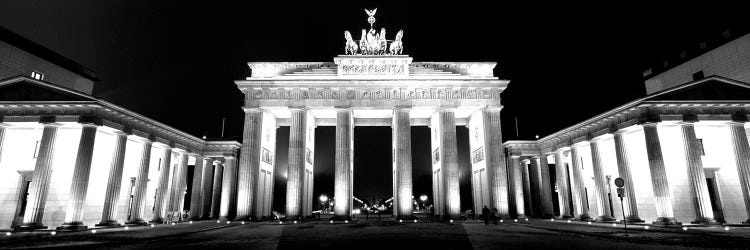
(323,199)
(423,198)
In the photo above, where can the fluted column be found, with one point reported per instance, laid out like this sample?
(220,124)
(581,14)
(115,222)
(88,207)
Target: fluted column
(296,166)
(141,181)
(548,210)
(114,181)
(600,182)
(2,135)
(517,186)
(228,188)
(402,147)
(247,171)
(563,193)
(741,150)
(623,169)
(207,185)
(161,193)
(344,163)
(696,175)
(196,188)
(179,184)
(449,156)
(497,171)
(80,183)
(216,190)
(579,187)
(664,203)
(526,185)
(37,196)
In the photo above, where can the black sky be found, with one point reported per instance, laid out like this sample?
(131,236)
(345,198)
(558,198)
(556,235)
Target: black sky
(175,61)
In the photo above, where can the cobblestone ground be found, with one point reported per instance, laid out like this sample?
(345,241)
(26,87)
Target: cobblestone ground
(385,234)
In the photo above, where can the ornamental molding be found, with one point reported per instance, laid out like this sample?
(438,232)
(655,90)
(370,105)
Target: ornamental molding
(385,93)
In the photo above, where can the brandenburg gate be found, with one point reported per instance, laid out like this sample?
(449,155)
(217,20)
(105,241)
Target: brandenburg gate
(372,84)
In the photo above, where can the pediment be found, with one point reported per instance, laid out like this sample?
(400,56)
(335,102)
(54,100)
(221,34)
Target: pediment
(26,89)
(712,89)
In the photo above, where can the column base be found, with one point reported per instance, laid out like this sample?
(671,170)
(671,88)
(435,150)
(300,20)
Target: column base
(138,222)
(584,217)
(157,221)
(29,227)
(605,218)
(406,217)
(666,222)
(566,216)
(633,219)
(75,226)
(706,221)
(521,216)
(108,224)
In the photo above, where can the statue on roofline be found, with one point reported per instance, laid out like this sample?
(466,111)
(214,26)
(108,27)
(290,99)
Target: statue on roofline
(372,42)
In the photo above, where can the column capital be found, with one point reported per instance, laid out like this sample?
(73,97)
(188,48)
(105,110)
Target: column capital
(343,108)
(49,121)
(649,118)
(298,108)
(689,118)
(402,108)
(600,138)
(562,150)
(739,117)
(90,121)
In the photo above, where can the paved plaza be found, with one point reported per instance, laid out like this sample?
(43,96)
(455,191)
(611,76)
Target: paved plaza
(386,234)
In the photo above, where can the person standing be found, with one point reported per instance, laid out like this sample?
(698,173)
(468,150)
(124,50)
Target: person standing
(495,215)
(486,215)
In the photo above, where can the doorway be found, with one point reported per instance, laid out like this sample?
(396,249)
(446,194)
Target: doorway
(24,182)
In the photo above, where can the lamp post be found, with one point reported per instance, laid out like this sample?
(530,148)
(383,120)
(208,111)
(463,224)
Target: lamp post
(323,199)
(423,198)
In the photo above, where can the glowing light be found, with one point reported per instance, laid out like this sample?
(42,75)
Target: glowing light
(346,221)
(568,221)
(415,221)
(227,222)
(614,224)
(281,222)
(527,219)
(501,221)
(551,219)
(515,220)
(174,223)
(8,233)
(330,221)
(423,197)
(400,221)
(589,223)
(243,223)
(53,233)
(323,198)
(93,231)
(646,227)
(218,221)
(684,228)
(191,222)
(295,222)
(451,221)
(152,225)
(726,228)
(127,228)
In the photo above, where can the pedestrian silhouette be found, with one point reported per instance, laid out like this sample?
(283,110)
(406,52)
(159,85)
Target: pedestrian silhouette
(486,215)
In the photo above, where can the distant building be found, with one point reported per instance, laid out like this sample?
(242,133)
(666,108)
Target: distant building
(71,160)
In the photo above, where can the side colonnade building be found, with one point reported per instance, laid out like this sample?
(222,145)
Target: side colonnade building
(70,160)
(683,153)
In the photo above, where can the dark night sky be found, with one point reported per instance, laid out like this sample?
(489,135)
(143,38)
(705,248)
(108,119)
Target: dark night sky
(176,61)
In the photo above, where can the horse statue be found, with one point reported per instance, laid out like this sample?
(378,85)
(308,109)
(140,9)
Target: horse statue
(382,43)
(397,46)
(363,43)
(351,46)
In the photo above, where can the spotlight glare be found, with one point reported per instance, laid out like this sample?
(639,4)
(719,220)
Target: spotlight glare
(527,219)
(295,222)
(127,228)
(646,227)
(191,222)
(281,222)
(174,223)
(451,221)
(346,221)
(93,231)
(568,221)
(227,222)
(53,233)
(501,221)
(552,220)
(218,221)
(726,228)
(152,225)
(614,224)
(243,223)
(589,223)
(400,221)
(684,228)
(515,220)
(415,221)
(330,221)
(8,233)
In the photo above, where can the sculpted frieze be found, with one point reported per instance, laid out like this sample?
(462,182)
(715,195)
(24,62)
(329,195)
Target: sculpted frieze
(372,93)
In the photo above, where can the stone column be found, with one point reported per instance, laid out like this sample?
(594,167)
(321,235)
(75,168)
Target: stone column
(207,188)
(525,178)
(344,164)
(2,134)
(161,193)
(180,184)
(534,187)
(449,156)
(517,185)
(548,210)
(37,196)
(296,167)
(579,187)
(195,192)
(80,183)
(741,150)
(496,162)
(402,148)
(696,175)
(601,183)
(664,207)
(228,188)
(141,181)
(114,182)
(563,193)
(247,171)
(216,191)
(623,169)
